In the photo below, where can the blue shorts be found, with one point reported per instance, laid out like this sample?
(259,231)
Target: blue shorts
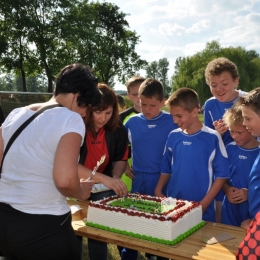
(145,183)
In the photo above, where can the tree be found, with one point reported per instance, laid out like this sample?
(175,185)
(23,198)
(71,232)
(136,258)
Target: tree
(159,71)
(102,39)
(44,36)
(13,31)
(189,71)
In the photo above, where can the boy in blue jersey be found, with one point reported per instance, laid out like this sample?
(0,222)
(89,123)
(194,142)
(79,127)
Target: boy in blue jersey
(147,134)
(222,77)
(193,154)
(250,105)
(242,153)
(132,85)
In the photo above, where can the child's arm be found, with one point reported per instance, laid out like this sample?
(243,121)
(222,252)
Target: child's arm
(245,224)
(164,178)
(129,171)
(214,190)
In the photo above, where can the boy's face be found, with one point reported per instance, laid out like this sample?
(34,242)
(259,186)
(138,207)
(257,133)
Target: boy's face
(133,95)
(251,121)
(151,107)
(183,118)
(223,87)
(240,135)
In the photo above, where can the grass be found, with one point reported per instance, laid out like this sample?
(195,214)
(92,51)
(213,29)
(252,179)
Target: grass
(201,118)
(113,253)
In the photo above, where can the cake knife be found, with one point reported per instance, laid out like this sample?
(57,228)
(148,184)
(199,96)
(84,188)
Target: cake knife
(102,159)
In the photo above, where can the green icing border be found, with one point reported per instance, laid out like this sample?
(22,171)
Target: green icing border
(149,238)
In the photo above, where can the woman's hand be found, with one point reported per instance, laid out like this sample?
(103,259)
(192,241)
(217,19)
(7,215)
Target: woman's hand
(86,187)
(115,184)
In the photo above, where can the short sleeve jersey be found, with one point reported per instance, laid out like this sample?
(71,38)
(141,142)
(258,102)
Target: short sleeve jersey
(148,138)
(254,188)
(240,163)
(192,160)
(214,110)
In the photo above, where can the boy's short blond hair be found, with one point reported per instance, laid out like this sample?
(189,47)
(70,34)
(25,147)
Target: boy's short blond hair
(233,116)
(220,65)
(252,100)
(152,88)
(133,81)
(186,98)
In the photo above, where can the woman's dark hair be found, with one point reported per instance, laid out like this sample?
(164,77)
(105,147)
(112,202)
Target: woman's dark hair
(109,99)
(78,78)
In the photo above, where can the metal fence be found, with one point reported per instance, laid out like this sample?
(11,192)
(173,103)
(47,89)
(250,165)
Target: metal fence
(10,100)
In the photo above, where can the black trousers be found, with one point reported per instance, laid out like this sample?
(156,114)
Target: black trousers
(32,236)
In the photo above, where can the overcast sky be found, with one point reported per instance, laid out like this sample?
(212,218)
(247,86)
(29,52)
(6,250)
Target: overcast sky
(174,28)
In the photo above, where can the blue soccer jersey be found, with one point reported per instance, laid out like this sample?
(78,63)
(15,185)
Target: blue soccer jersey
(192,160)
(241,161)
(148,138)
(214,110)
(254,188)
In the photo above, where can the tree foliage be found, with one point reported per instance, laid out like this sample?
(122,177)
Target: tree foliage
(159,70)
(189,71)
(39,37)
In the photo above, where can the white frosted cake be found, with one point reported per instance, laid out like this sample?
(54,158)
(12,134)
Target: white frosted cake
(161,220)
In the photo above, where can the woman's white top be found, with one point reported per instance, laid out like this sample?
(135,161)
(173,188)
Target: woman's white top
(27,181)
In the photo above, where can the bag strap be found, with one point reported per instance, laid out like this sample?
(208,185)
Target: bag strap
(20,129)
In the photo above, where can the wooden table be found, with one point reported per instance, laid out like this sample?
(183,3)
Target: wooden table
(190,248)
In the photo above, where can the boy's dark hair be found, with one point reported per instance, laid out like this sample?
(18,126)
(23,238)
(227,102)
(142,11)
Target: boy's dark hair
(220,65)
(121,100)
(133,81)
(186,98)
(252,100)
(151,88)
(108,100)
(78,78)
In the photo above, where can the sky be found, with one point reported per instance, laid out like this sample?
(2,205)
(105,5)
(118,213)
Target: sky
(180,28)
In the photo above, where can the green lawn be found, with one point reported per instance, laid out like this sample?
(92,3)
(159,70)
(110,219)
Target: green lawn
(201,118)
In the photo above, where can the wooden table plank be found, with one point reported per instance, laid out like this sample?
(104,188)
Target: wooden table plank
(190,248)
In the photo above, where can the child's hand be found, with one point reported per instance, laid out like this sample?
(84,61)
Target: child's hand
(229,191)
(203,205)
(245,224)
(159,193)
(239,196)
(129,171)
(220,126)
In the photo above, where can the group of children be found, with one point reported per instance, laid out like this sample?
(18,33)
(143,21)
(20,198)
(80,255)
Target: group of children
(174,154)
